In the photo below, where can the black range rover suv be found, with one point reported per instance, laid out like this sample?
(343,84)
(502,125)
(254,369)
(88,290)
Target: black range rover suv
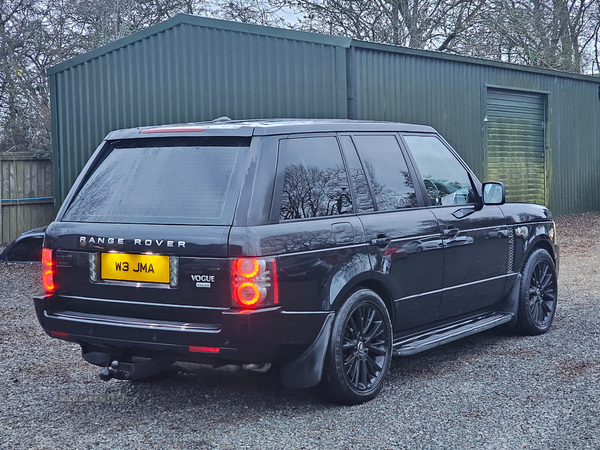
(322,247)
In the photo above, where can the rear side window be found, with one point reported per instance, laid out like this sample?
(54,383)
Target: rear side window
(163,184)
(362,192)
(386,169)
(315,183)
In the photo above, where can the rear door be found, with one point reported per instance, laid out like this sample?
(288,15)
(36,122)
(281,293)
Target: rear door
(404,239)
(315,231)
(475,237)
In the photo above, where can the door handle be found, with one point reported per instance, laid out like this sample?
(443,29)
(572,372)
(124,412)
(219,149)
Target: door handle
(381,241)
(451,231)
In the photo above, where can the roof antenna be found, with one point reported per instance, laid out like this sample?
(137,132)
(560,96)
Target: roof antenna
(222,119)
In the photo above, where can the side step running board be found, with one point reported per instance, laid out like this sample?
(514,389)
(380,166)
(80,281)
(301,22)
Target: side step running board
(433,338)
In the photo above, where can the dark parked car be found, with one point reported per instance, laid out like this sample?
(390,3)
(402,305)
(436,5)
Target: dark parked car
(292,243)
(27,248)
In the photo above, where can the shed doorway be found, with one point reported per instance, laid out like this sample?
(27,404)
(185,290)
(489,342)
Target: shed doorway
(515,124)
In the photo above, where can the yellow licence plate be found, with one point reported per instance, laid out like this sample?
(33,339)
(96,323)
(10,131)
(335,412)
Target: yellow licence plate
(141,268)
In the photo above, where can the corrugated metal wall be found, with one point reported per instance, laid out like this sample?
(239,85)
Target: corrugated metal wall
(450,94)
(405,88)
(186,72)
(574,153)
(191,69)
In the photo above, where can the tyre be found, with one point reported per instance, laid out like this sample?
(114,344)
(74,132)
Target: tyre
(538,294)
(359,352)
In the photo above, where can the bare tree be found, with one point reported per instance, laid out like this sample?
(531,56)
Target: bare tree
(24,105)
(259,12)
(430,24)
(555,34)
(104,21)
(37,34)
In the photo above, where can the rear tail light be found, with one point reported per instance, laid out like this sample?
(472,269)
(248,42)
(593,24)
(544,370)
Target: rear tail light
(254,282)
(48,270)
(249,267)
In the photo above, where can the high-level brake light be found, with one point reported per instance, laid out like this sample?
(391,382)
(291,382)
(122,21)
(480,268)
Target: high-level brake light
(187,129)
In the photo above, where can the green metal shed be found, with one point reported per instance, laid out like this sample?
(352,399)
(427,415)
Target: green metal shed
(536,130)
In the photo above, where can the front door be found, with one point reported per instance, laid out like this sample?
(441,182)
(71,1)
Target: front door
(475,237)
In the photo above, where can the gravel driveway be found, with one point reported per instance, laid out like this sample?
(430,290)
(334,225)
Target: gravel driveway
(492,390)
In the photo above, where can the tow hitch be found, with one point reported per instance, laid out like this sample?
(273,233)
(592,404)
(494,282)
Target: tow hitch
(131,370)
(113,372)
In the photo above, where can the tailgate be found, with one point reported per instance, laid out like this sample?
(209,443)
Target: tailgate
(152,272)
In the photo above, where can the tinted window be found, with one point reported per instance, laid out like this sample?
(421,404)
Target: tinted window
(314,179)
(162,185)
(364,201)
(446,180)
(387,172)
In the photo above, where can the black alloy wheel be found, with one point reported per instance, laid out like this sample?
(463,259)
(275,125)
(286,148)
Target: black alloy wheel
(360,350)
(364,346)
(537,303)
(542,294)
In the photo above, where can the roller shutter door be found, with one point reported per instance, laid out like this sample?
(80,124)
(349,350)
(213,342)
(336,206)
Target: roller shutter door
(515,124)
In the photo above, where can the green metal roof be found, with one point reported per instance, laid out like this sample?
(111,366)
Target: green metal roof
(300,36)
(471,60)
(203,22)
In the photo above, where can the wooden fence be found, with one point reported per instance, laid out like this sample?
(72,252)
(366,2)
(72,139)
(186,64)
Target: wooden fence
(26,200)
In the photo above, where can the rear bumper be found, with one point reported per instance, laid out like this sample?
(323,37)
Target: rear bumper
(269,335)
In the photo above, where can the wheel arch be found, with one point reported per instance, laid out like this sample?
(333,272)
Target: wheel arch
(376,286)
(535,236)
(542,242)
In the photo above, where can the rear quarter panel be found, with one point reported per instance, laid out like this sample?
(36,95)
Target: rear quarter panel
(316,262)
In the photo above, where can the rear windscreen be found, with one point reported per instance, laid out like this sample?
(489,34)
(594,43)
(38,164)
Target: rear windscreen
(170,184)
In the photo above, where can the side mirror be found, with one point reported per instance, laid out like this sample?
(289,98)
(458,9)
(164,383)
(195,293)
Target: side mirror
(494,193)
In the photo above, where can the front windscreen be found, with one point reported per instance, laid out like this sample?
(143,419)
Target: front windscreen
(183,184)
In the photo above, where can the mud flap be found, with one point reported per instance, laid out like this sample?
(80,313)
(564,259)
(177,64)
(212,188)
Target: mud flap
(512,305)
(306,370)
